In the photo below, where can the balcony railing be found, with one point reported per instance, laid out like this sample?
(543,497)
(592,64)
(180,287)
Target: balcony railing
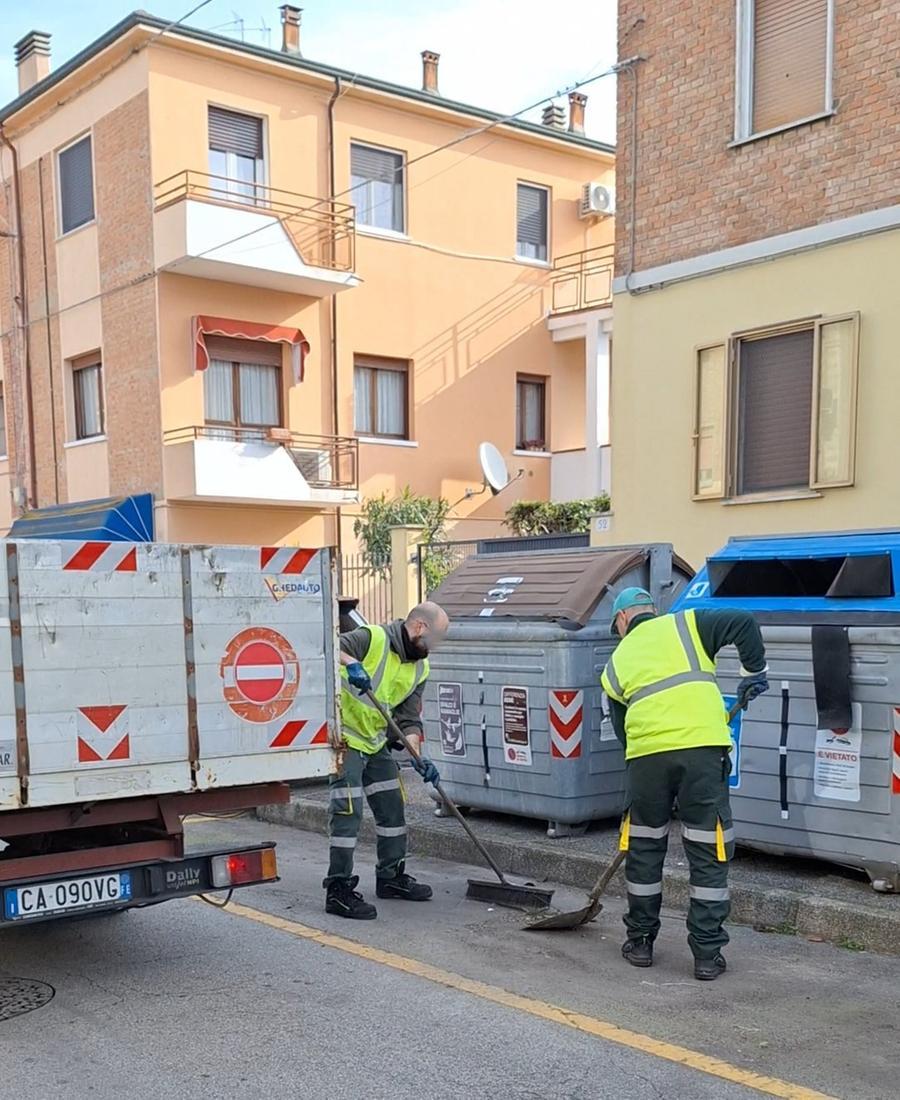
(323,231)
(325,461)
(582,280)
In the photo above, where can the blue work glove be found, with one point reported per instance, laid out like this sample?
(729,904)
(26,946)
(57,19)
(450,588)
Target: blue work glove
(751,686)
(359,678)
(427,770)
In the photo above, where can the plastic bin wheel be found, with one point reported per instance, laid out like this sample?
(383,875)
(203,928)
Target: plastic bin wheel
(557,829)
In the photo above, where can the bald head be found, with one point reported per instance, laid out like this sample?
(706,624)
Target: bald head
(427,625)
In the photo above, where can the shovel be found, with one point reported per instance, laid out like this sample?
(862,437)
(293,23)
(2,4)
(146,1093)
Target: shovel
(512,895)
(553,920)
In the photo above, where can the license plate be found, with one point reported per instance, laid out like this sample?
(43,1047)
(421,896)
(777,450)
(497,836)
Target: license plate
(41,898)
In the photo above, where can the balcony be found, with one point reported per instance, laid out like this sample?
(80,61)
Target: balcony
(217,228)
(270,466)
(582,281)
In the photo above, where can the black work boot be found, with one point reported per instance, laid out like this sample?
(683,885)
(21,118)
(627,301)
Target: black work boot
(404,887)
(707,970)
(638,952)
(342,899)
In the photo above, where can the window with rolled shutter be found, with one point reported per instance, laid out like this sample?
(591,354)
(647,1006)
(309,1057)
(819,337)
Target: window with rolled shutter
(531,222)
(784,63)
(236,152)
(76,185)
(376,179)
(774,412)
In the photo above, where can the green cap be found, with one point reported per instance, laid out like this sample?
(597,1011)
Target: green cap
(629,597)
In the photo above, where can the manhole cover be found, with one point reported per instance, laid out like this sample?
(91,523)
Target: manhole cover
(21,995)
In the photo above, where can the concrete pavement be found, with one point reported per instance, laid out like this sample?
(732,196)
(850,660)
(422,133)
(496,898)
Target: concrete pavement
(186,1001)
(811,898)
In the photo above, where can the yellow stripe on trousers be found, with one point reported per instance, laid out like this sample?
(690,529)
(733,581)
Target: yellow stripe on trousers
(543,1010)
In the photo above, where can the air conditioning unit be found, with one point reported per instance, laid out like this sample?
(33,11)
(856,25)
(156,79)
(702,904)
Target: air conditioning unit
(316,466)
(597,200)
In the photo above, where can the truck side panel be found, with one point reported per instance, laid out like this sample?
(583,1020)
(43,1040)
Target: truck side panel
(103,647)
(9,782)
(263,624)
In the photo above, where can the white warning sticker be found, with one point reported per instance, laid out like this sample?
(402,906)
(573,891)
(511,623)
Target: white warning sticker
(838,761)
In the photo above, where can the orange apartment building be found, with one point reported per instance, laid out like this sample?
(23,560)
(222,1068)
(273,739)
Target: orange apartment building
(263,288)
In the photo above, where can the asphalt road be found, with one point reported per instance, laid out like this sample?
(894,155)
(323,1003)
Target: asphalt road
(446,999)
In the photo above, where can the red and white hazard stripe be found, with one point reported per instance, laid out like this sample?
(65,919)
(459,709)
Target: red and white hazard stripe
(284,559)
(895,754)
(566,714)
(103,557)
(300,734)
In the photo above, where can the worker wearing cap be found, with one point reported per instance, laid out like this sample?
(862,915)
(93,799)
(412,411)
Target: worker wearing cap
(669,714)
(391,662)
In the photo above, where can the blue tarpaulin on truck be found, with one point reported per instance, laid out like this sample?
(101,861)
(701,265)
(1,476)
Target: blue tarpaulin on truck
(844,577)
(118,519)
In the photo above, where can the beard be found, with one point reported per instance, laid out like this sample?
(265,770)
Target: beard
(416,648)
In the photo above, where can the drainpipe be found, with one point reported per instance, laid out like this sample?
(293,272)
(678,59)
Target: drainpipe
(332,188)
(23,314)
(630,66)
(49,335)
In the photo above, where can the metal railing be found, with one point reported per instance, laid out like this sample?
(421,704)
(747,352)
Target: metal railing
(324,231)
(370,584)
(325,461)
(582,280)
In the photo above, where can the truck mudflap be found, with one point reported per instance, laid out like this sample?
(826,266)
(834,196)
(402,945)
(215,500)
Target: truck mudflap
(132,886)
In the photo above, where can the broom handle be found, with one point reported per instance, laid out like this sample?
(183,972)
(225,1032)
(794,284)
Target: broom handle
(447,800)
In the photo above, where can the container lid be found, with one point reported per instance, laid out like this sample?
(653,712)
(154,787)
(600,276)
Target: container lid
(555,586)
(842,577)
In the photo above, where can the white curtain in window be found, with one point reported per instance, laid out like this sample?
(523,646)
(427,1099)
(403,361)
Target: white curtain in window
(218,396)
(362,400)
(259,394)
(533,421)
(88,382)
(390,395)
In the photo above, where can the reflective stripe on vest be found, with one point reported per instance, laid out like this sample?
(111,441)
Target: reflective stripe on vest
(666,679)
(393,681)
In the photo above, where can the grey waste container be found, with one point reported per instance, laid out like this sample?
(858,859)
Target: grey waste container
(513,706)
(816,766)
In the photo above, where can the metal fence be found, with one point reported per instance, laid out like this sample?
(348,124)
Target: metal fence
(436,560)
(372,587)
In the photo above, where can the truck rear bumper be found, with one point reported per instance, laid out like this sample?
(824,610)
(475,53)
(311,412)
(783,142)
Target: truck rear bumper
(129,886)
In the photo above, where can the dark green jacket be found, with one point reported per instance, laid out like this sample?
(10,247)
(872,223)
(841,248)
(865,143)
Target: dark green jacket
(717,629)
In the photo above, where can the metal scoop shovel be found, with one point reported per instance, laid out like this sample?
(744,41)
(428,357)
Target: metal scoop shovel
(553,919)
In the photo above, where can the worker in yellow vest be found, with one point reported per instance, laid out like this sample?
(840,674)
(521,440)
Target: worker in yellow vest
(392,662)
(667,710)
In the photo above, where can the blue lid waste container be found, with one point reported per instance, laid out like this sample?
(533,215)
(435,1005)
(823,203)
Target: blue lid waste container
(816,761)
(514,714)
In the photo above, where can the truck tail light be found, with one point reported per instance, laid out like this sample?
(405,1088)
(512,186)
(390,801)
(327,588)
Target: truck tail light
(240,868)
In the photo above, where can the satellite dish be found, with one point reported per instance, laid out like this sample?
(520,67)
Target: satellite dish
(496,475)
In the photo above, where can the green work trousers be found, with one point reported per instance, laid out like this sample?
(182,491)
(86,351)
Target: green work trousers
(377,777)
(696,781)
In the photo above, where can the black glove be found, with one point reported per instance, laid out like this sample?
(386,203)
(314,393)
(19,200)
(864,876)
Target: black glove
(427,770)
(752,685)
(359,678)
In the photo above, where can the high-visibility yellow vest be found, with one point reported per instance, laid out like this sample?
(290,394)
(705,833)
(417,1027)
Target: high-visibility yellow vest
(393,680)
(665,677)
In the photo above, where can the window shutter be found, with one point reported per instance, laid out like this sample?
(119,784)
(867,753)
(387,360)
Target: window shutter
(76,185)
(833,452)
(531,216)
(790,55)
(375,164)
(261,352)
(231,132)
(711,425)
(775,410)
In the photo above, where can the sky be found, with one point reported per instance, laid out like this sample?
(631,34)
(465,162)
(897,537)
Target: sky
(497,54)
